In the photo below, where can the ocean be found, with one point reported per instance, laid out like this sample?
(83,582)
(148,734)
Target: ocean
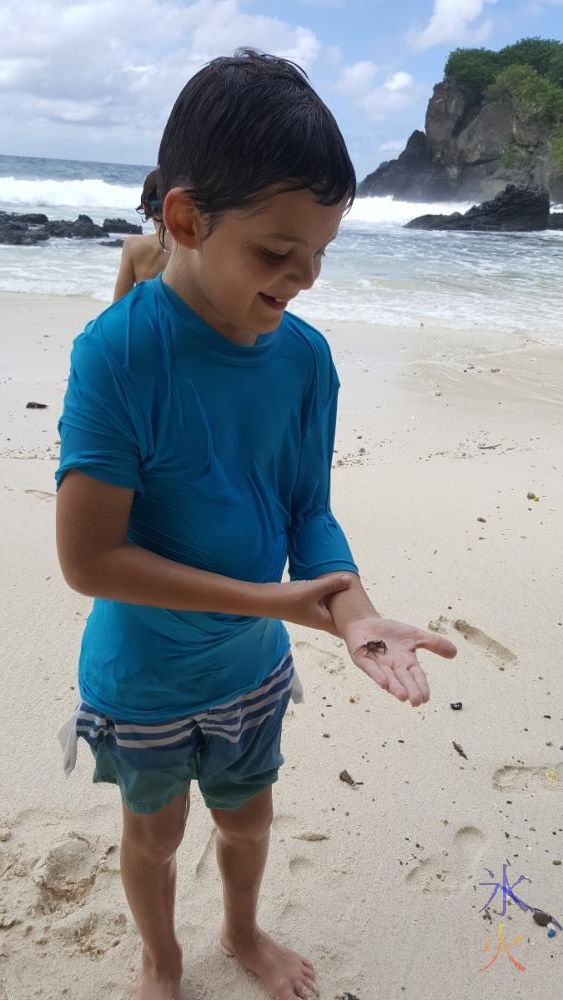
(375,272)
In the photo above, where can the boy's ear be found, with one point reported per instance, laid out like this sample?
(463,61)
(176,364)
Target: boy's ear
(182,218)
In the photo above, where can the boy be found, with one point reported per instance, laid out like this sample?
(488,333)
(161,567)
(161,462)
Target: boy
(144,257)
(196,445)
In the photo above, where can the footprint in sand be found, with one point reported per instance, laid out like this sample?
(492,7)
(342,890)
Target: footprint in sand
(299,864)
(331,662)
(42,494)
(68,871)
(447,873)
(93,933)
(500,654)
(528,779)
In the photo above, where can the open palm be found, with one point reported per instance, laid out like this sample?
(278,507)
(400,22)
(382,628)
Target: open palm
(386,651)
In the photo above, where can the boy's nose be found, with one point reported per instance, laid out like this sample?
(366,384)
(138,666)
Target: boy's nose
(304,274)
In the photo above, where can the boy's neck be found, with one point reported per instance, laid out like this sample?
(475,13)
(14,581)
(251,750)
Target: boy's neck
(189,293)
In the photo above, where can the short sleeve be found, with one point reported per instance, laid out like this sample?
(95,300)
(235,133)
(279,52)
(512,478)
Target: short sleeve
(98,428)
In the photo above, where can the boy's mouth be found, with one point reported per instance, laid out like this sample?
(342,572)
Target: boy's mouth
(274,303)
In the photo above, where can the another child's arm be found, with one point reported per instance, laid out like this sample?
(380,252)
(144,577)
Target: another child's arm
(126,274)
(97,560)
(393,666)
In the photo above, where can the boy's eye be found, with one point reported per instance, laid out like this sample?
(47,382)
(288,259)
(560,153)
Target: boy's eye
(274,258)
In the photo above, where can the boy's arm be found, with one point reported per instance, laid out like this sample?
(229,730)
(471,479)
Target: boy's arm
(126,275)
(97,560)
(383,648)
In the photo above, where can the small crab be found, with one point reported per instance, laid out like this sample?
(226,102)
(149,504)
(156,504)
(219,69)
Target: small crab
(372,646)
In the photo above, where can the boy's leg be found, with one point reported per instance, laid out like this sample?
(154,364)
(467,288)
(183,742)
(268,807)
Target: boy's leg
(148,871)
(242,849)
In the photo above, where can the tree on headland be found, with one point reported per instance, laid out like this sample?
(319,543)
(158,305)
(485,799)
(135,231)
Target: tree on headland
(528,73)
(474,70)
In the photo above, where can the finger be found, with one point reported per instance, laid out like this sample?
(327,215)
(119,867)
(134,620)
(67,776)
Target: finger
(415,681)
(382,676)
(333,584)
(436,643)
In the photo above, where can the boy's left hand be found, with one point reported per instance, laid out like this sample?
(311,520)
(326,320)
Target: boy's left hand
(386,651)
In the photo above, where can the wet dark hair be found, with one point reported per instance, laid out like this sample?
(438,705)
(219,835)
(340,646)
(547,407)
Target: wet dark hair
(245,123)
(151,199)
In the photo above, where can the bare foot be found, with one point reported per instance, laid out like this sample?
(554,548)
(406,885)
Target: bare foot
(284,974)
(159,983)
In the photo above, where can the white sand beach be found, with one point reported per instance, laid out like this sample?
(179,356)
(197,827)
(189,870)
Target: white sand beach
(441,437)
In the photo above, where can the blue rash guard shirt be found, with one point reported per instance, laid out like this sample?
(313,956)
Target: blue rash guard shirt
(228,450)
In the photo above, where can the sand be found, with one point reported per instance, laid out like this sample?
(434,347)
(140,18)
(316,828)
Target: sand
(442,435)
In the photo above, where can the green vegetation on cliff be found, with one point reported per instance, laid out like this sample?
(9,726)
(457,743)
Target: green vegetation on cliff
(528,73)
(476,69)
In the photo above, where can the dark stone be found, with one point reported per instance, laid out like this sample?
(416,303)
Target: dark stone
(470,150)
(555,220)
(414,176)
(28,228)
(83,228)
(121,226)
(16,233)
(515,210)
(34,218)
(36,406)
(111,243)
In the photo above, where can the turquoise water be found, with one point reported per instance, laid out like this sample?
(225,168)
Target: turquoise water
(375,272)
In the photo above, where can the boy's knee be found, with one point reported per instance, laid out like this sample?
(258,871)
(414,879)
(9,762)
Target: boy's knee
(156,836)
(249,823)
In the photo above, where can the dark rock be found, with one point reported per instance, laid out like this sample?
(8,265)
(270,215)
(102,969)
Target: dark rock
(83,228)
(413,176)
(471,149)
(111,243)
(31,218)
(36,406)
(17,233)
(555,220)
(515,210)
(121,226)
(28,228)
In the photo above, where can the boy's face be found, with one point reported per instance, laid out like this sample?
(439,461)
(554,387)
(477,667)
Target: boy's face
(242,277)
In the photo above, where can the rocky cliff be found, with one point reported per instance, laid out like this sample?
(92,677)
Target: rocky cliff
(469,151)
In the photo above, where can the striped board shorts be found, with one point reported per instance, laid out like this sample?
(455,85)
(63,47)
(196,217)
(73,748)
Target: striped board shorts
(232,750)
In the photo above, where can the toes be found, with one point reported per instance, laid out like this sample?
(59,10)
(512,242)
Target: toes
(307,990)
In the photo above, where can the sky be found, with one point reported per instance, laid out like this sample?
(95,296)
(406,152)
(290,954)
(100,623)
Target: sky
(96,80)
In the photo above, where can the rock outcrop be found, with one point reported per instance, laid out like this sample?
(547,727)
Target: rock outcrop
(514,210)
(470,150)
(29,229)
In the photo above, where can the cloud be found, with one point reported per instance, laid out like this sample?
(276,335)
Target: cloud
(393,146)
(451,21)
(396,92)
(85,65)
(356,79)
